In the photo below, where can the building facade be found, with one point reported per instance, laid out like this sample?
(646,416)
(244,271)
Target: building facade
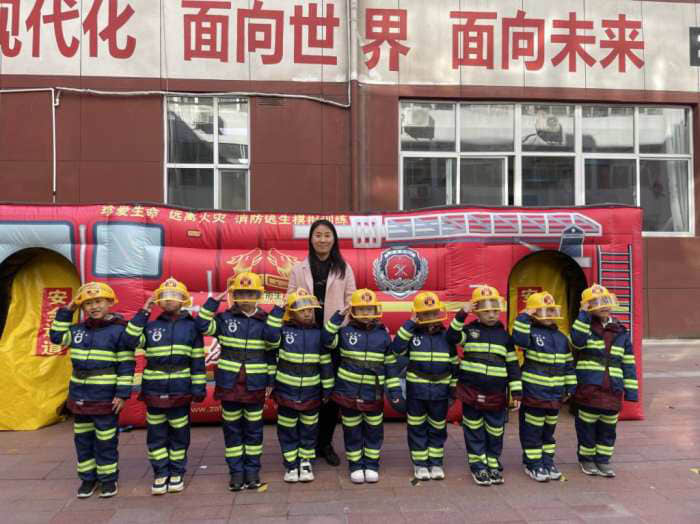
(331,106)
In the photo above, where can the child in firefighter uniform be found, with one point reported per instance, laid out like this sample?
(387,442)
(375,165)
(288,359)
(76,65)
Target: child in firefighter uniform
(303,380)
(102,354)
(248,337)
(174,376)
(605,370)
(548,381)
(430,381)
(366,365)
(489,368)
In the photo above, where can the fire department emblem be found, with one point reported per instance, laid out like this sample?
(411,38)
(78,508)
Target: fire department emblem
(156,334)
(539,340)
(289,338)
(79,335)
(416,342)
(352,339)
(474,333)
(548,299)
(232,325)
(400,271)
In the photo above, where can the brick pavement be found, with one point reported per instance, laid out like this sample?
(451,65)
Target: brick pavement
(654,459)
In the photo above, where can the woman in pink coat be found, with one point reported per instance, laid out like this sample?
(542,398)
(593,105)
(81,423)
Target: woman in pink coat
(325,274)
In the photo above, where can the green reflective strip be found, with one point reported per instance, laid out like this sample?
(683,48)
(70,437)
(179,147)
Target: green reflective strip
(533,453)
(102,380)
(515,385)
(371,356)
(211,329)
(456,324)
(472,423)
(549,448)
(253,416)
(586,452)
(570,380)
(485,347)
(67,339)
(404,334)
(325,358)
(86,465)
(587,417)
(125,356)
(412,377)
(256,369)
(298,382)
(105,434)
(197,352)
(177,454)
(234,451)
(166,351)
(615,372)
(107,469)
(630,383)
(534,420)
(353,456)
(156,419)
(617,351)
(83,427)
(476,459)
(521,327)
(429,356)
(57,325)
(125,380)
(548,358)
(628,359)
(581,326)
(271,369)
(228,365)
(604,450)
(351,422)
(287,422)
(291,456)
(596,343)
(483,369)
(308,420)
(332,328)
(511,357)
(589,365)
(199,379)
(242,343)
(99,355)
(358,378)
(414,420)
(540,380)
(493,431)
(393,382)
(231,416)
(436,452)
(133,330)
(205,313)
(307,454)
(492,462)
(390,359)
(437,424)
(274,322)
(551,419)
(373,420)
(609,419)
(252,450)
(158,454)
(179,422)
(419,455)
(299,358)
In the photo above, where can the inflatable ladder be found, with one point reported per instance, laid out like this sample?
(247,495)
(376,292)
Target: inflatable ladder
(615,273)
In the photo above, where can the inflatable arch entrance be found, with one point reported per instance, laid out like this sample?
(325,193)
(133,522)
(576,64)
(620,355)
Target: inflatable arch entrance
(446,250)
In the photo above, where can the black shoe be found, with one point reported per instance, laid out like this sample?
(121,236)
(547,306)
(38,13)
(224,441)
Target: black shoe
(236,483)
(481,477)
(605,469)
(496,476)
(554,473)
(108,489)
(87,488)
(328,453)
(252,481)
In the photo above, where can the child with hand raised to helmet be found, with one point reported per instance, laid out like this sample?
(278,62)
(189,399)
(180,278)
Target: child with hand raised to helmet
(366,366)
(605,371)
(489,368)
(430,382)
(174,376)
(248,337)
(548,381)
(101,350)
(303,381)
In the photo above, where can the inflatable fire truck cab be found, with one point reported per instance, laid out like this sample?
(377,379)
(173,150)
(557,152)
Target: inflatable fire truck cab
(47,251)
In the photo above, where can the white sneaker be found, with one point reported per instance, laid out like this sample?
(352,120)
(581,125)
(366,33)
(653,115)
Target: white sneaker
(160,486)
(437,473)
(291,475)
(306,473)
(176,484)
(421,473)
(357,476)
(371,476)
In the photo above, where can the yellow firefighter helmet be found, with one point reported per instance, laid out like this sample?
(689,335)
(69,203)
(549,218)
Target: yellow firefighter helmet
(487,298)
(246,281)
(598,297)
(544,305)
(426,302)
(365,298)
(298,301)
(92,290)
(174,290)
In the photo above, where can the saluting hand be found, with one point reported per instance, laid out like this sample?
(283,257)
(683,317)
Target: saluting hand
(72,306)
(148,306)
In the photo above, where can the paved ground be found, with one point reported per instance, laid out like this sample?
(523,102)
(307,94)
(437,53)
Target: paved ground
(654,460)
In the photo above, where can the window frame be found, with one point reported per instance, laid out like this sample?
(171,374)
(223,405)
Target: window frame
(215,166)
(578,154)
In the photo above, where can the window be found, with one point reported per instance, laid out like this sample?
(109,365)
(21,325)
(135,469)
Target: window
(548,154)
(207,165)
(128,250)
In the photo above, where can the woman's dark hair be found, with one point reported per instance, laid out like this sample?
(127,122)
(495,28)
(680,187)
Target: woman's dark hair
(338,264)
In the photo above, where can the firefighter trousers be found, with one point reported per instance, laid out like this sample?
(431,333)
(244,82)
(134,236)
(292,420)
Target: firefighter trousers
(596,432)
(243,436)
(483,436)
(168,438)
(427,431)
(96,441)
(297,432)
(537,426)
(363,433)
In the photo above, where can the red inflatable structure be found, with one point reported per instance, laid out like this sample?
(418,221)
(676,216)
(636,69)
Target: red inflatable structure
(447,250)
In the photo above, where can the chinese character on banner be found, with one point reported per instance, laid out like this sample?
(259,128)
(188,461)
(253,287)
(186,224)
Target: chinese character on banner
(320,34)
(265,25)
(621,48)
(573,42)
(526,35)
(206,35)
(115,21)
(385,25)
(52,299)
(57,18)
(472,43)
(10,46)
